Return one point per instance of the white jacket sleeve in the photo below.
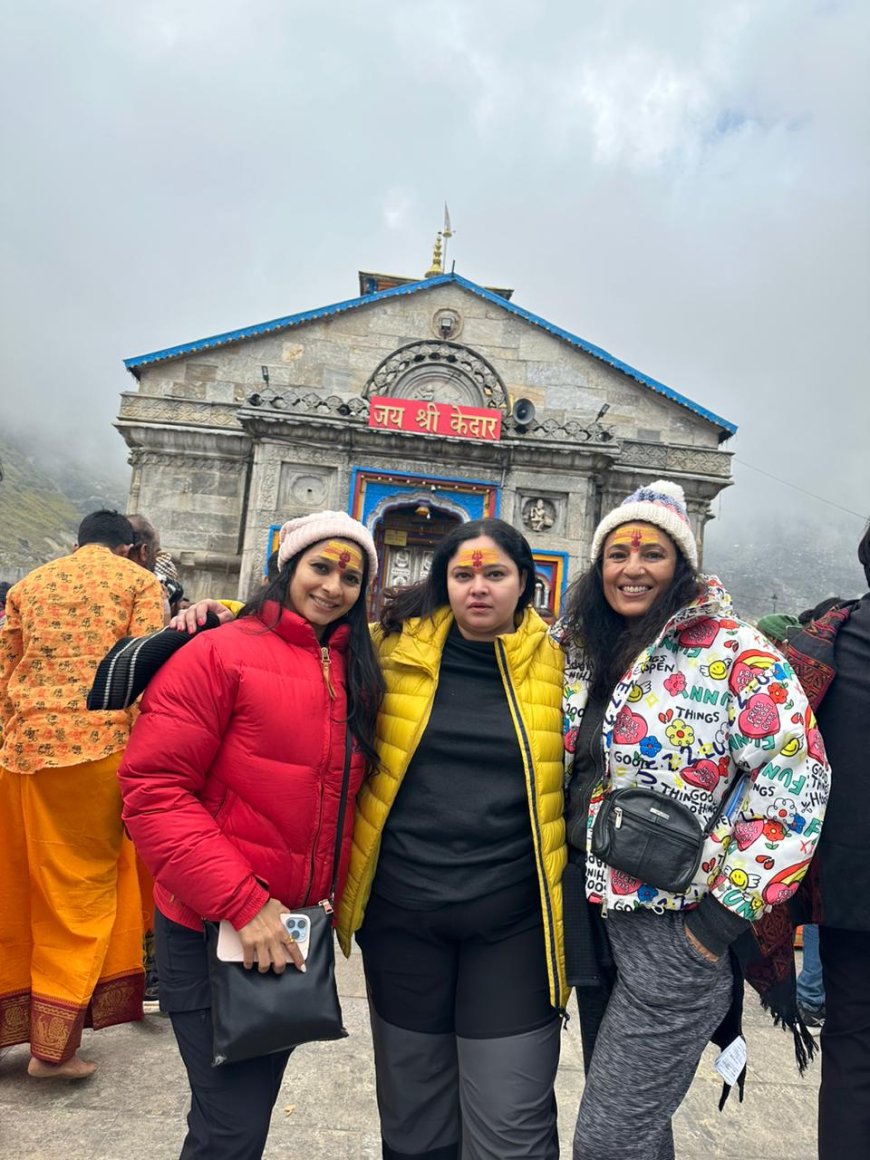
(774, 738)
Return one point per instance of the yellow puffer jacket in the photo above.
(531, 667)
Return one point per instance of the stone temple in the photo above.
(412, 406)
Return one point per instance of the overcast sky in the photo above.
(682, 183)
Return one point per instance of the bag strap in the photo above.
(342, 810)
(729, 800)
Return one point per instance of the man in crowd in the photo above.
(146, 542)
(831, 656)
(70, 921)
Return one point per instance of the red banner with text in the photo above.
(434, 418)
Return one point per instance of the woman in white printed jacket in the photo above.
(667, 690)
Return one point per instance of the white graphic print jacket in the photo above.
(708, 701)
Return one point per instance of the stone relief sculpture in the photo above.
(539, 514)
(441, 371)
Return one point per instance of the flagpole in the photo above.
(446, 233)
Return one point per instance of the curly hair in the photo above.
(611, 642)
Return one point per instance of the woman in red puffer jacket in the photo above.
(231, 784)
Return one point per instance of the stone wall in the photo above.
(213, 475)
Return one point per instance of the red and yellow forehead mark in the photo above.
(344, 552)
(477, 559)
(635, 536)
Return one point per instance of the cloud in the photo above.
(396, 206)
(683, 184)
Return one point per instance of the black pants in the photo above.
(231, 1105)
(466, 1041)
(844, 1097)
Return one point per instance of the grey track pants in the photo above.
(466, 1041)
(498, 1093)
(667, 1002)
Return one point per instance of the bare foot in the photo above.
(75, 1068)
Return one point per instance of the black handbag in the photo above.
(653, 838)
(256, 1014)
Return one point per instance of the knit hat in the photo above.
(299, 534)
(661, 503)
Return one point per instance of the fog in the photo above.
(683, 184)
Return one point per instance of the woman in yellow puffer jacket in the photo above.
(454, 888)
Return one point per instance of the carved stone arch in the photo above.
(401, 499)
(440, 372)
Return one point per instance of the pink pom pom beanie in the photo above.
(297, 535)
(661, 503)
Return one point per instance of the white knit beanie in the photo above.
(661, 503)
(297, 535)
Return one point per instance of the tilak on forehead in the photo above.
(477, 558)
(636, 535)
(345, 553)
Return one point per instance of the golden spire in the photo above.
(437, 266)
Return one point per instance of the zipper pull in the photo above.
(324, 664)
(617, 817)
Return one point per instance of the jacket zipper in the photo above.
(531, 788)
(644, 824)
(324, 668)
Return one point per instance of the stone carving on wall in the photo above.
(539, 514)
(160, 410)
(141, 458)
(306, 403)
(700, 460)
(440, 371)
(303, 487)
(567, 430)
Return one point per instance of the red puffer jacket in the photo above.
(232, 775)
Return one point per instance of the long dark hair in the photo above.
(609, 641)
(422, 599)
(364, 681)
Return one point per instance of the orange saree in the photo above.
(71, 918)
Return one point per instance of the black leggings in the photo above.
(231, 1105)
(466, 1040)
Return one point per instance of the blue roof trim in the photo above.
(134, 364)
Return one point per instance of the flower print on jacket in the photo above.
(726, 717)
(679, 733)
(650, 746)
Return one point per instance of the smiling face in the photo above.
(483, 586)
(637, 567)
(327, 582)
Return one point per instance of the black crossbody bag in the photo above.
(655, 838)
(256, 1014)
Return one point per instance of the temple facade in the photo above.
(412, 406)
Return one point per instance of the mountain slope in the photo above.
(43, 498)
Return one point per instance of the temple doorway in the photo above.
(406, 537)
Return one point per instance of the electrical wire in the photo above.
(795, 487)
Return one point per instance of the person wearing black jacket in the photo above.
(832, 658)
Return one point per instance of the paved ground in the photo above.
(134, 1106)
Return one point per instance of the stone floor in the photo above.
(134, 1106)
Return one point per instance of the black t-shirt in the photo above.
(587, 769)
(459, 827)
